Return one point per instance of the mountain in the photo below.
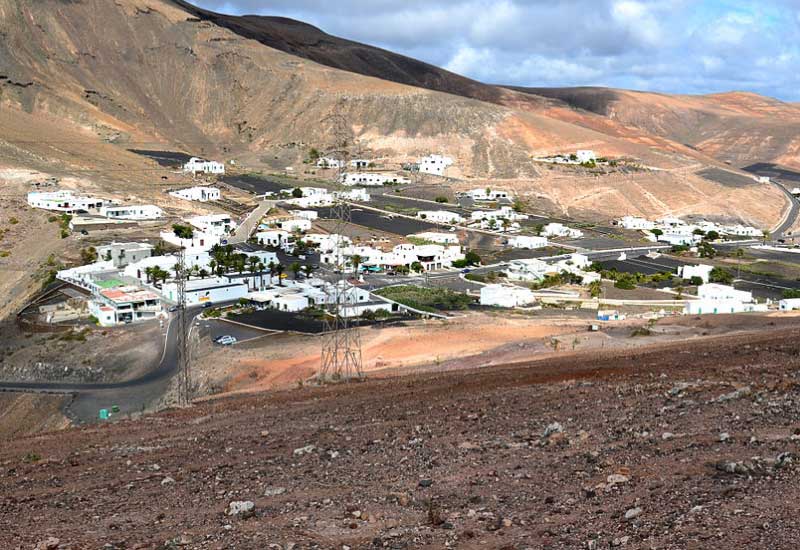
(84, 81)
(739, 128)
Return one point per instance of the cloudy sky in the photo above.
(679, 46)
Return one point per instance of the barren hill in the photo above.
(735, 127)
(81, 82)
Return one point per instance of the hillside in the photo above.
(83, 82)
(735, 127)
(626, 449)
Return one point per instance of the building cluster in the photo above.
(676, 231)
(435, 165)
(319, 197)
(535, 270)
(88, 209)
(372, 179)
(202, 166)
(582, 156)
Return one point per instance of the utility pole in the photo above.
(341, 342)
(182, 340)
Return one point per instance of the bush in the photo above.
(720, 275)
(472, 258)
(441, 199)
(297, 193)
(696, 281)
(790, 294)
(626, 281)
(182, 231)
(426, 299)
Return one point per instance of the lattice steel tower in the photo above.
(341, 342)
(182, 340)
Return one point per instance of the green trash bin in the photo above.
(115, 409)
(103, 414)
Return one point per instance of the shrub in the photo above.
(696, 281)
(441, 199)
(720, 275)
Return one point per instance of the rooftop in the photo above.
(128, 294)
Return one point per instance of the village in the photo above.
(284, 255)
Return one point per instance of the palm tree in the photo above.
(253, 265)
(356, 260)
(212, 264)
(260, 275)
(279, 270)
(296, 268)
(148, 272)
(308, 270)
(203, 273)
(271, 268)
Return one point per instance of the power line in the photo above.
(182, 341)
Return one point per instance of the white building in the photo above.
(505, 296)
(199, 194)
(201, 166)
(789, 304)
(360, 164)
(356, 195)
(636, 223)
(715, 291)
(132, 212)
(435, 164)
(487, 194)
(122, 254)
(528, 270)
(327, 242)
(123, 305)
(192, 258)
(65, 201)
(312, 201)
(440, 216)
(502, 213)
(438, 238)
(305, 214)
(527, 242)
(586, 155)
(687, 272)
(372, 179)
(218, 225)
(292, 225)
(679, 238)
(272, 237)
(329, 162)
(294, 301)
(555, 229)
(199, 240)
(202, 291)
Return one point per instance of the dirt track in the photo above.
(651, 419)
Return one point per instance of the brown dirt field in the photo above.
(26, 414)
(685, 445)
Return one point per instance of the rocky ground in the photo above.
(688, 445)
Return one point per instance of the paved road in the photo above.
(778, 176)
(130, 396)
(249, 225)
(791, 218)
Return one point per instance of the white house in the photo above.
(440, 216)
(132, 212)
(555, 229)
(305, 214)
(502, 213)
(203, 291)
(528, 242)
(312, 201)
(65, 201)
(360, 164)
(789, 304)
(327, 242)
(372, 179)
(329, 162)
(218, 225)
(438, 238)
(505, 296)
(356, 195)
(586, 155)
(292, 225)
(529, 270)
(199, 194)
(687, 272)
(435, 164)
(679, 238)
(199, 240)
(294, 301)
(272, 237)
(636, 223)
(122, 254)
(487, 194)
(198, 165)
(715, 291)
(123, 305)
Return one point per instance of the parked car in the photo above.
(226, 340)
(207, 305)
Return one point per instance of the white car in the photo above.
(226, 340)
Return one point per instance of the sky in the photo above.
(674, 46)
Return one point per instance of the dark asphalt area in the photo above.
(255, 184)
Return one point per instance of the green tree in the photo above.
(279, 269)
(356, 260)
(720, 275)
(309, 270)
(88, 255)
(296, 269)
(183, 231)
(712, 236)
(595, 289)
(657, 232)
(472, 258)
(417, 267)
(297, 193)
(696, 281)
